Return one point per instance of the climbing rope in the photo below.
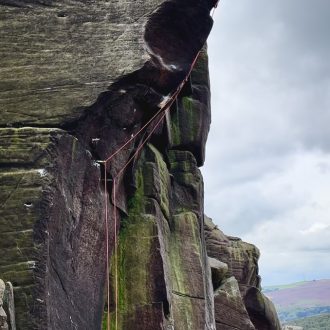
(114, 189)
(161, 113)
(107, 243)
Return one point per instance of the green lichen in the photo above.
(134, 251)
(164, 179)
(200, 74)
(175, 128)
(138, 238)
(136, 202)
(185, 122)
(136, 241)
(192, 118)
(24, 145)
(183, 166)
(129, 227)
(105, 320)
(185, 233)
(184, 226)
(184, 313)
(23, 299)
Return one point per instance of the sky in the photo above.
(267, 170)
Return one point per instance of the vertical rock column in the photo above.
(163, 274)
(51, 222)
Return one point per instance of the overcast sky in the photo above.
(267, 171)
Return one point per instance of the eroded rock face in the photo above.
(162, 253)
(261, 310)
(79, 79)
(57, 57)
(230, 311)
(239, 302)
(51, 227)
(241, 257)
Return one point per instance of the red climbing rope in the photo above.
(106, 199)
(162, 112)
(116, 251)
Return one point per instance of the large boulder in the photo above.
(241, 257)
(230, 311)
(261, 310)
(239, 302)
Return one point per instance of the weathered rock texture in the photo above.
(239, 302)
(7, 306)
(78, 79)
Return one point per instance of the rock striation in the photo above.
(239, 302)
(78, 79)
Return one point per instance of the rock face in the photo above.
(239, 302)
(79, 79)
(163, 273)
(7, 306)
(3, 316)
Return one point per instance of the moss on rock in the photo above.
(159, 179)
(139, 259)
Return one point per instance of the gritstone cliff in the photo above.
(79, 78)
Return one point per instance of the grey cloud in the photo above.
(264, 47)
(308, 24)
(266, 173)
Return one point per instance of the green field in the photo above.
(319, 322)
(302, 313)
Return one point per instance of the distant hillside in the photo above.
(300, 300)
(319, 322)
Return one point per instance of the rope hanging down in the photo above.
(161, 113)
